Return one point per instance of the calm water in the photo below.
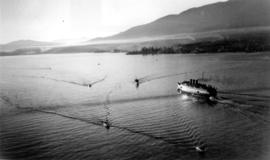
(48, 112)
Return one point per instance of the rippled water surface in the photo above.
(49, 112)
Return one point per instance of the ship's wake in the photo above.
(157, 77)
(149, 78)
(27, 68)
(250, 111)
(87, 84)
(189, 134)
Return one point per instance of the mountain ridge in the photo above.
(25, 44)
(221, 15)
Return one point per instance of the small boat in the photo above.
(106, 125)
(200, 149)
(137, 81)
(196, 89)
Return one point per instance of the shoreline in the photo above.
(126, 53)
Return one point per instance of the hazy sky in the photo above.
(48, 20)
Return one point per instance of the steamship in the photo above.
(196, 89)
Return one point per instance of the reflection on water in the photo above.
(45, 114)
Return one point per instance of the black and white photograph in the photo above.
(134, 79)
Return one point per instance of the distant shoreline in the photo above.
(126, 53)
(232, 45)
(229, 43)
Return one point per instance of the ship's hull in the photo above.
(196, 89)
(193, 91)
